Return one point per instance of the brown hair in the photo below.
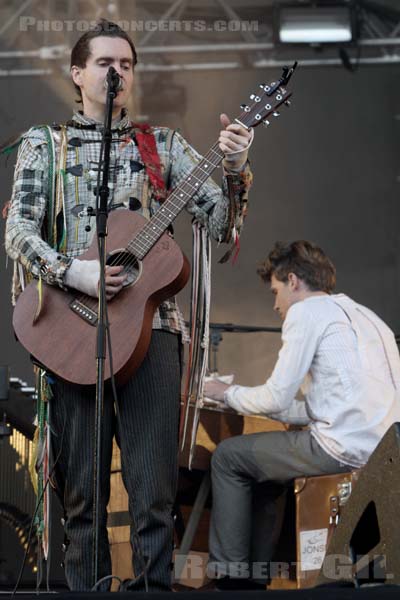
(81, 51)
(305, 259)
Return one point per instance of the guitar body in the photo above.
(61, 339)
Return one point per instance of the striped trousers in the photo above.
(147, 434)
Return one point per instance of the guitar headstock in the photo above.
(267, 101)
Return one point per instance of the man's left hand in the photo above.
(234, 141)
(215, 389)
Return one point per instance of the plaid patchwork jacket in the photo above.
(77, 147)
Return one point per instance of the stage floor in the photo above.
(325, 592)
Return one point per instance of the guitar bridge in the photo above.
(84, 312)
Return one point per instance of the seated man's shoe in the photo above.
(236, 583)
(208, 586)
(225, 584)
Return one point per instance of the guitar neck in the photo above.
(176, 202)
(264, 103)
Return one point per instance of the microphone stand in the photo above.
(101, 227)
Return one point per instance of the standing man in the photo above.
(47, 231)
(345, 361)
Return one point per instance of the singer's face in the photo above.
(105, 52)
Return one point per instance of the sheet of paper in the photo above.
(312, 549)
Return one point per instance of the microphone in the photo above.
(113, 80)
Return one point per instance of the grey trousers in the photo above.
(245, 526)
(147, 435)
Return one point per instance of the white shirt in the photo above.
(345, 360)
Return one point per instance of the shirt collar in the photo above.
(119, 124)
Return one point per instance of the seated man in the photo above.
(345, 361)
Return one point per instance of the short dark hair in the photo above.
(81, 51)
(305, 259)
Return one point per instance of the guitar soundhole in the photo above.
(132, 266)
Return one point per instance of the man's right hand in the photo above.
(215, 389)
(114, 281)
(84, 275)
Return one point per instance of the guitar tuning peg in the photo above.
(262, 85)
(243, 106)
(276, 114)
(288, 103)
(266, 123)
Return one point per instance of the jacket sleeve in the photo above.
(221, 210)
(296, 414)
(300, 337)
(24, 241)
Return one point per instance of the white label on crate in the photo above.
(312, 549)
